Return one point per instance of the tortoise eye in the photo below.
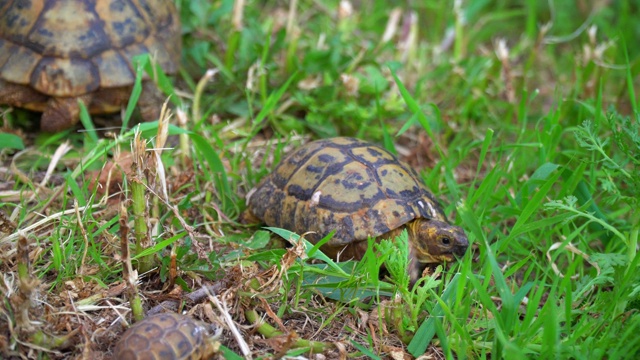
(445, 241)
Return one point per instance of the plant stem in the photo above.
(269, 331)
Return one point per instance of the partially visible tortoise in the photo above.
(360, 190)
(56, 52)
(166, 336)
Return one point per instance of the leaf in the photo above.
(414, 107)
(159, 246)
(365, 351)
(397, 260)
(85, 119)
(259, 240)
(293, 237)
(139, 62)
(426, 331)
(217, 170)
(10, 141)
(229, 354)
(530, 208)
(271, 102)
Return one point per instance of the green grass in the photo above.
(534, 147)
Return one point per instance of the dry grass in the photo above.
(96, 231)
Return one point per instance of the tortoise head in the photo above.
(433, 242)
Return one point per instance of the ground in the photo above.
(521, 117)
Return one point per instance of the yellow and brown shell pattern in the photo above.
(344, 184)
(166, 336)
(65, 49)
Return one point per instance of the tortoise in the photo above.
(358, 190)
(168, 336)
(56, 52)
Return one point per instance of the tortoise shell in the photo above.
(356, 188)
(69, 48)
(167, 336)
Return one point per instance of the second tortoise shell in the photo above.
(68, 48)
(166, 336)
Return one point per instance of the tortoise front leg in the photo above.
(150, 101)
(62, 113)
(21, 96)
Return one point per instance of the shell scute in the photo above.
(181, 345)
(65, 76)
(19, 65)
(19, 20)
(161, 53)
(113, 69)
(123, 23)
(139, 342)
(69, 29)
(288, 213)
(302, 183)
(292, 163)
(373, 157)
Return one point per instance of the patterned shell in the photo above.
(68, 48)
(167, 336)
(343, 184)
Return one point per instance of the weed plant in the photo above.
(521, 116)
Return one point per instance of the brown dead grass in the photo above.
(83, 320)
(86, 318)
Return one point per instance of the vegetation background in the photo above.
(521, 115)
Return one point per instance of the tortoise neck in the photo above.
(410, 227)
